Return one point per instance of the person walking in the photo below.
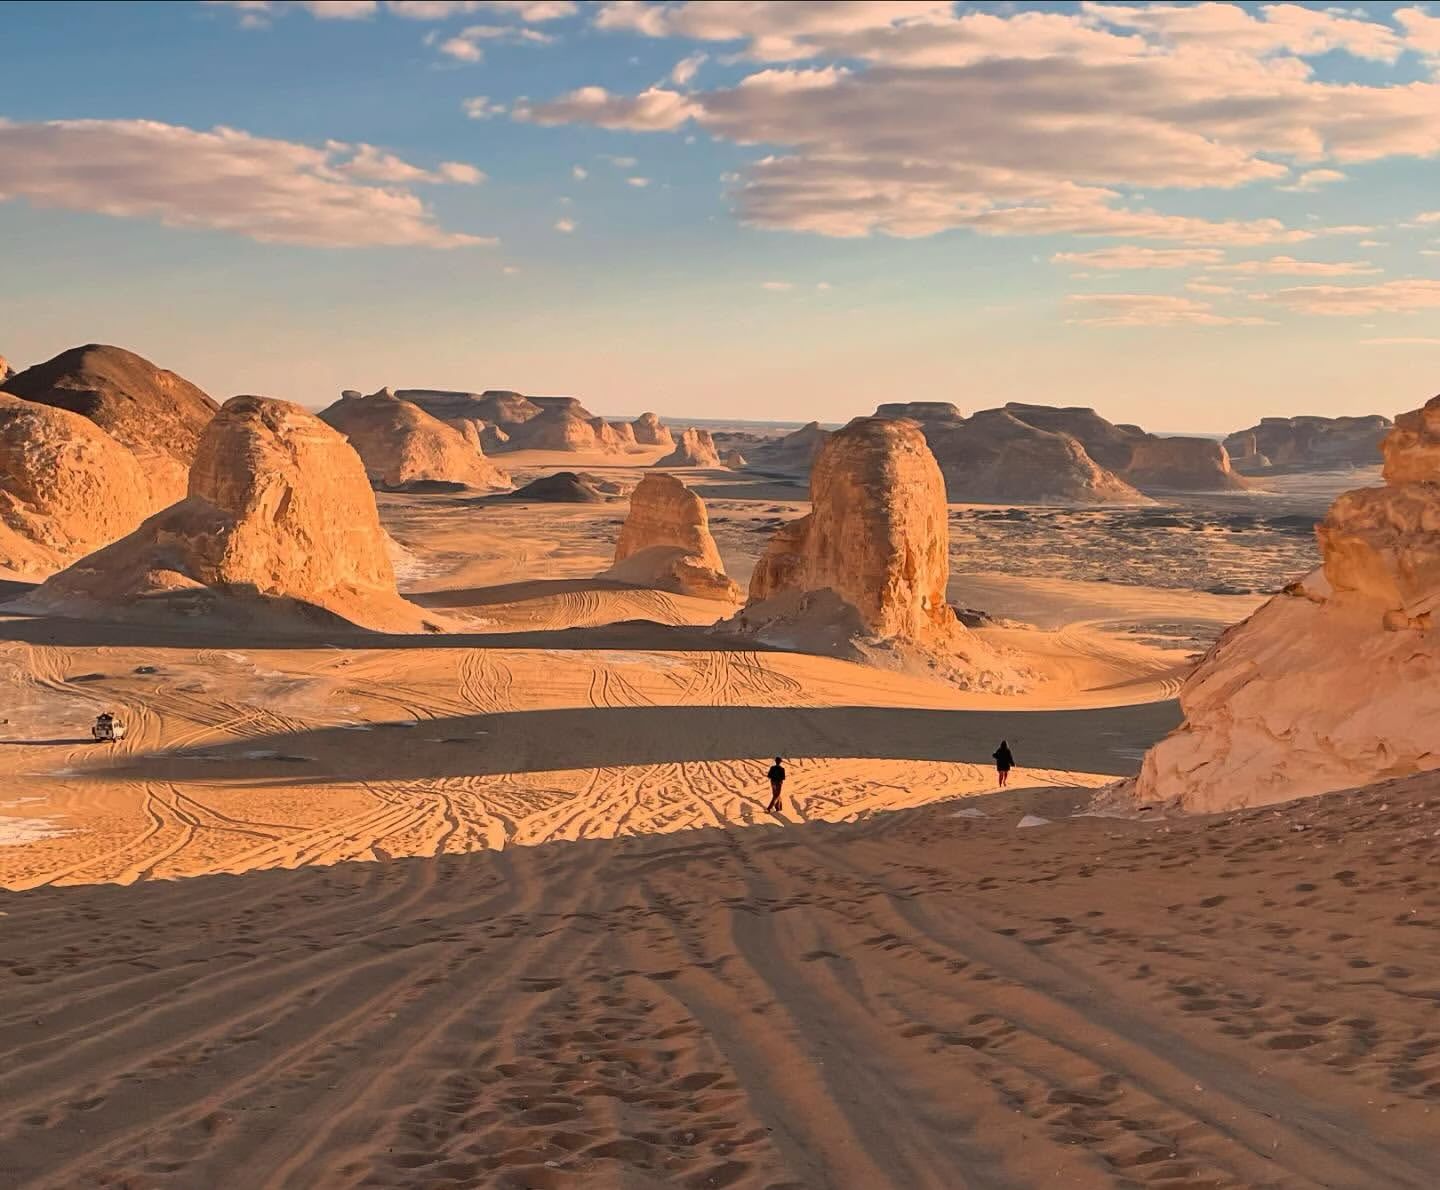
(777, 782)
(1004, 762)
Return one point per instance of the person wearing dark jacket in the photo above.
(777, 781)
(1004, 762)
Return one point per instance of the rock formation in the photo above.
(1182, 465)
(665, 543)
(794, 451)
(402, 446)
(157, 414)
(649, 430)
(6, 371)
(556, 428)
(563, 487)
(279, 532)
(734, 460)
(1334, 683)
(1108, 444)
(66, 488)
(695, 449)
(624, 434)
(1308, 443)
(495, 407)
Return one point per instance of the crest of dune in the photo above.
(279, 531)
(1334, 683)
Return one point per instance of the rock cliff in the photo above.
(665, 543)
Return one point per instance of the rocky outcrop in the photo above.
(157, 414)
(1108, 444)
(496, 407)
(795, 451)
(624, 434)
(1334, 683)
(877, 534)
(649, 430)
(563, 487)
(403, 447)
(66, 488)
(556, 428)
(6, 371)
(925, 412)
(1308, 443)
(279, 532)
(733, 459)
(1182, 465)
(694, 449)
(665, 543)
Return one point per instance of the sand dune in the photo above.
(914, 1000)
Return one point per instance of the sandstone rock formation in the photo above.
(6, 371)
(1334, 683)
(624, 434)
(556, 428)
(279, 531)
(157, 414)
(1108, 444)
(495, 407)
(734, 460)
(66, 488)
(402, 446)
(1182, 465)
(649, 430)
(1308, 443)
(665, 543)
(563, 487)
(694, 449)
(794, 451)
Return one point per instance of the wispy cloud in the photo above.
(565, 225)
(1149, 309)
(1418, 341)
(1386, 297)
(1288, 266)
(1131, 256)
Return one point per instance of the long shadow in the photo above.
(514, 592)
(1106, 740)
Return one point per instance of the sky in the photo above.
(1186, 216)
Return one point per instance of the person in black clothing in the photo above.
(1004, 762)
(777, 779)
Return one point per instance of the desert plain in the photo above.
(499, 904)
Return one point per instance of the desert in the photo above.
(672, 595)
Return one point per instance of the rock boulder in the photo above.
(665, 543)
(696, 448)
(649, 430)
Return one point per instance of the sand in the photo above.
(501, 907)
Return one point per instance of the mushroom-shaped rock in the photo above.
(696, 448)
(651, 431)
(1182, 465)
(402, 446)
(279, 531)
(66, 488)
(665, 543)
(157, 414)
(1336, 682)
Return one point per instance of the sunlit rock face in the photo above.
(1308, 443)
(402, 446)
(279, 530)
(1336, 682)
(694, 448)
(665, 543)
(156, 413)
(1181, 465)
(649, 430)
(66, 488)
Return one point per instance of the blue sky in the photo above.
(1186, 216)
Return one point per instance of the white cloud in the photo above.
(579, 172)
(684, 70)
(1402, 296)
(274, 191)
(1149, 309)
(340, 10)
(619, 162)
(638, 183)
(511, 270)
(1427, 217)
(1313, 179)
(479, 107)
(1080, 107)
(1130, 256)
(460, 173)
(823, 286)
(1288, 266)
(777, 286)
(565, 225)
(1208, 287)
(1422, 31)
(465, 46)
(1419, 341)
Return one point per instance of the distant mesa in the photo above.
(157, 414)
(795, 451)
(649, 430)
(279, 532)
(563, 487)
(863, 575)
(665, 543)
(695, 448)
(403, 447)
(1308, 443)
(1182, 465)
(1334, 683)
(66, 488)
(506, 421)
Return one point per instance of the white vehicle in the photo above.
(107, 728)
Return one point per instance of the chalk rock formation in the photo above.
(157, 414)
(1181, 465)
(6, 371)
(556, 428)
(734, 460)
(1308, 443)
(665, 543)
(564, 487)
(402, 446)
(279, 531)
(795, 451)
(1336, 682)
(695, 449)
(66, 488)
(624, 434)
(1108, 444)
(651, 431)
(497, 407)
(925, 412)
